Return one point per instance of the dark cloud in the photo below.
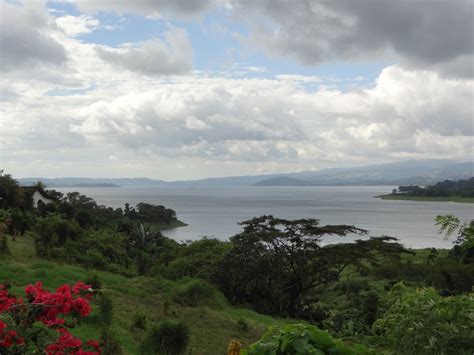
(25, 38)
(421, 33)
(147, 7)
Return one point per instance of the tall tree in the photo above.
(275, 263)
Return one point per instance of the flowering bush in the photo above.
(40, 321)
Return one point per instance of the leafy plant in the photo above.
(423, 322)
(302, 339)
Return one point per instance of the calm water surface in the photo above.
(216, 211)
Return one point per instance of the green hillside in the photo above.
(212, 326)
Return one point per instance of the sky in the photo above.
(189, 89)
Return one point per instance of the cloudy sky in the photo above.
(195, 88)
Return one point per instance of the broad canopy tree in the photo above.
(274, 263)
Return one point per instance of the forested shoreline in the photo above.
(370, 296)
(447, 190)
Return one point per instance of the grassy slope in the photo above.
(427, 198)
(211, 329)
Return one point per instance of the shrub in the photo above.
(50, 312)
(242, 325)
(94, 258)
(422, 322)
(4, 250)
(196, 293)
(94, 281)
(301, 339)
(139, 321)
(167, 337)
(110, 344)
(106, 309)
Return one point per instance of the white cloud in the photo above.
(77, 25)
(172, 55)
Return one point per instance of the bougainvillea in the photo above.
(40, 321)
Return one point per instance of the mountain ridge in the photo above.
(417, 172)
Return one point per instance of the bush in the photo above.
(42, 323)
(94, 281)
(106, 309)
(4, 250)
(196, 293)
(110, 344)
(423, 322)
(167, 337)
(139, 321)
(301, 339)
(242, 325)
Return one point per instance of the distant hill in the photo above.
(411, 172)
(283, 181)
(416, 172)
(92, 182)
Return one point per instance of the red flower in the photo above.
(50, 309)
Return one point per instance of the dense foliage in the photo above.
(462, 188)
(423, 322)
(279, 267)
(78, 230)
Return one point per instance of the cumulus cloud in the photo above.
(271, 124)
(436, 34)
(25, 37)
(77, 25)
(242, 119)
(171, 55)
(205, 111)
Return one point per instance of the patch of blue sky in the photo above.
(61, 8)
(218, 48)
(116, 30)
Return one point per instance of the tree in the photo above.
(276, 265)
(146, 245)
(278, 261)
(11, 194)
(464, 249)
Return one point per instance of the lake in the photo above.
(216, 211)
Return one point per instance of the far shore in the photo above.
(402, 197)
(174, 224)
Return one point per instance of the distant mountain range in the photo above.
(416, 172)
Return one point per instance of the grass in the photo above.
(459, 199)
(212, 327)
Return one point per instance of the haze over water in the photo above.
(216, 211)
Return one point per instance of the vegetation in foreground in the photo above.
(158, 296)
